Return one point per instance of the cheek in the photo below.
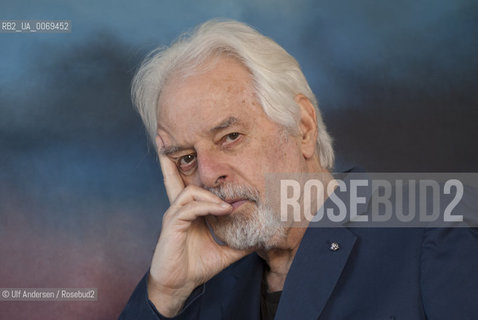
(192, 180)
(289, 156)
(280, 154)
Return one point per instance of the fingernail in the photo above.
(225, 205)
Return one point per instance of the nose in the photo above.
(213, 169)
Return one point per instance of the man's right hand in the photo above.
(186, 254)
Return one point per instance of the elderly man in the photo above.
(224, 106)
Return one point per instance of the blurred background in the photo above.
(81, 194)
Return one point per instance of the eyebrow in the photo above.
(171, 150)
(225, 124)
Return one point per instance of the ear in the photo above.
(307, 126)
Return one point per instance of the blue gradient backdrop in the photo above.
(81, 196)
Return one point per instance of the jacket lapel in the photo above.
(240, 290)
(318, 263)
(315, 272)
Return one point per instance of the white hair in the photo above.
(277, 77)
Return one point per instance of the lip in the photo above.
(237, 203)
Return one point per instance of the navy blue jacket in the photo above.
(373, 274)
(381, 273)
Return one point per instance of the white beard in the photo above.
(247, 228)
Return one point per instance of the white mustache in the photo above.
(230, 192)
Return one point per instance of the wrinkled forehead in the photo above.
(222, 87)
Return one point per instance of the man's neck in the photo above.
(279, 259)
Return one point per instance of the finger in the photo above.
(172, 180)
(194, 193)
(195, 209)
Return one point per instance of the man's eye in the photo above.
(187, 162)
(231, 137)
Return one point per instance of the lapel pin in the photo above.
(334, 246)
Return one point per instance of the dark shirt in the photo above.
(269, 301)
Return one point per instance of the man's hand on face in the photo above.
(186, 254)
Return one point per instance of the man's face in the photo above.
(215, 130)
